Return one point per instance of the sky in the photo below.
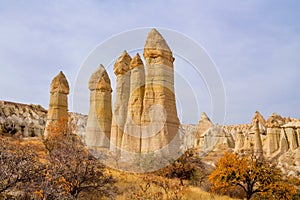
(254, 46)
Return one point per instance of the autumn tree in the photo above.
(255, 177)
(188, 166)
(73, 170)
(19, 166)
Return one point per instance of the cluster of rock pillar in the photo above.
(144, 116)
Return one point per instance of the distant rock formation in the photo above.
(274, 123)
(121, 70)
(159, 117)
(28, 120)
(21, 119)
(203, 125)
(239, 141)
(292, 136)
(258, 149)
(100, 114)
(216, 137)
(257, 116)
(187, 135)
(58, 106)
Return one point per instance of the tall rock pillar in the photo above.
(258, 149)
(121, 70)
(58, 106)
(131, 140)
(159, 117)
(100, 114)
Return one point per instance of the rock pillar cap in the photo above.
(60, 84)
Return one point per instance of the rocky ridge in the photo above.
(23, 120)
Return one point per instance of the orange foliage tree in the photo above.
(253, 176)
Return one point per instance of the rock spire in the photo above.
(121, 70)
(258, 149)
(100, 114)
(58, 106)
(159, 116)
(203, 125)
(131, 140)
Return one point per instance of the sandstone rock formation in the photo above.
(28, 120)
(257, 149)
(273, 124)
(261, 123)
(216, 137)
(203, 125)
(100, 114)
(58, 106)
(21, 119)
(259, 117)
(291, 133)
(239, 141)
(275, 121)
(78, 122)
(131, 140)
(121, 70)
(159, 115)
(187, 135)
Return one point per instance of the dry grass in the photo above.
(127, 182)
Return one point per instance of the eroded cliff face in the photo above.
(23, 120)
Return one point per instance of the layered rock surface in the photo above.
(203, 125)
(24, 120)
(58, 106)
(100, 114)
(131, 140)
(159, 115)
(121, 70)
(216, 137)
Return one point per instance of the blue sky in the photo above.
(254, 44)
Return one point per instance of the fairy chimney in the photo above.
(131, 140)
(58, 106)
(100, 114)
(258, 150)
(159, 118)
(122, 72)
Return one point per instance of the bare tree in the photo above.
(73, 170)
(19, 165)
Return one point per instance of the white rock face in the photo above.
(214, 137)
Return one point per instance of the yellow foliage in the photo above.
(253, 176)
